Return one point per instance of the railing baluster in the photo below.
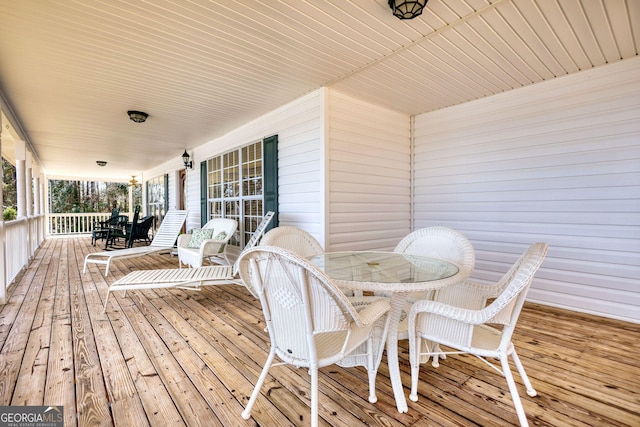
(74, 223)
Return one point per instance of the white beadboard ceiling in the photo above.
(70, 69)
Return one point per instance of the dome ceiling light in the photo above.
(137, 116)
(407, 9)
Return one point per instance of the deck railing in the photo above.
(74, 223)
(22, 237)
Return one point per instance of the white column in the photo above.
(3, 272)
(44, 194)
(37, 207)
(28, 183)
(131, 207)
(44, 204)
(21, 157)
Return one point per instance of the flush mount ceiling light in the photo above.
(407, 9)
(101, 163)
(137, 116)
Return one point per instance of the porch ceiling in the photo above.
(70, 70)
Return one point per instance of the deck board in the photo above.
(190, 358)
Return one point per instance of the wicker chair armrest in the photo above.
(473, 317)
(376, 308)
(183, 240)
(212, 247)
(491, 290)
(468, 294)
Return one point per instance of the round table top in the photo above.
(385, 271)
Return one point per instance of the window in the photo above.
(235, 188)
(157, 203)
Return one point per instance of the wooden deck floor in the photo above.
(172, 357)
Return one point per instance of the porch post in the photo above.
(37, 221)
(37, 208)
(21, 187)
(42, 205)
(3, 242)
(131, 202)
(28, 183)
(21, 156)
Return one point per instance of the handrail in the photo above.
(23, 235)
(74, 223)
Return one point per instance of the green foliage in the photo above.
(72, 196)
(87, 196)
(9, 214)
(9, 192)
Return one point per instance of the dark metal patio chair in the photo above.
(101, 228)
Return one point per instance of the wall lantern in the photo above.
(407, 9)
(137, 116)
(188, 164)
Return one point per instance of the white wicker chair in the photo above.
(310, 322)
(442, 243)
(462, 323)
(292, 239)
(209, 248)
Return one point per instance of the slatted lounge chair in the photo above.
(186, 278)
(163, 241)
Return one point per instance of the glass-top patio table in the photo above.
(389, 272)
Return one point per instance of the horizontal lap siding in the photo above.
(557, 162)
(299, 129)
(368, 174)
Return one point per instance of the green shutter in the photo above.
(166, 192)
(203, 193)
(270, 177)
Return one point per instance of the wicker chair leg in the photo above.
(414, 359)
(314, 396)
(371, 371)
(513, 389)
(246, 414)
(525, 379)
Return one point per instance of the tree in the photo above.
(9, 191)
(87, 196)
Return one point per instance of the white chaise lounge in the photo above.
(187, 278)
(163, 241)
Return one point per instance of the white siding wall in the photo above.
(557, 162)
(369, 175)
(299, 129)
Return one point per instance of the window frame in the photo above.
(236, 181)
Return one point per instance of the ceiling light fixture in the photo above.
(188, 164)
(133, 182)
(101, 163)
(407, 9)
(137, 116)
